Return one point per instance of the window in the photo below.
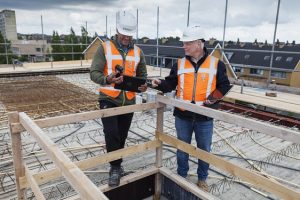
(267, 57)
(256, 71)
(278, 58)
(277, 74)
(289, 59)
(238, 69)
(229, 55)
(38, 49)
(247, 56)
(153, 61)
(15, 49)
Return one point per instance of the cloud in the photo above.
(247, 19)
(50, 4)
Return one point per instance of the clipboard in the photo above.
(130, 83)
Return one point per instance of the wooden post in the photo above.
(16, 145)
(159, 127)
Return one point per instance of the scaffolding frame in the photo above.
(72, 171)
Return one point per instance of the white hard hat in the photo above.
(192, 33)
(126, 23)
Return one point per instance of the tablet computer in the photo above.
(130, 83)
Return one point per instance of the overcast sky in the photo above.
(246, 19)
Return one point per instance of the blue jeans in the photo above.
(203, 134)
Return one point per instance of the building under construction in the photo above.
(53, 147)
(52, 139)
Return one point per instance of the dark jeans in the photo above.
(115, 129)
(203, 135)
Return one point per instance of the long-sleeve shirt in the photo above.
(171, 81)
(97, 72)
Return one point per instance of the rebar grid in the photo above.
(44, 96)
(80, 140)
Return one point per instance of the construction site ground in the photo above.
(46, 96)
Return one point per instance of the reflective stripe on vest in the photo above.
(205, 80)
(113, 58)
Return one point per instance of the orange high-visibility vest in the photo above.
(113, 58)
(196, 87)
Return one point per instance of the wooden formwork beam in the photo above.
(247, 175)
(16, 145)
(33, 184)
(182, 182)
(78, 117)
(277, 131)
(126, 180)
(158, 160)
(80, 182)
(44, 177)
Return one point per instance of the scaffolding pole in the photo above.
(273, 47)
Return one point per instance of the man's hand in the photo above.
(209, 102)
(113, 79)
(143, 88)
(155, 82)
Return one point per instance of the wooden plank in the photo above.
(44, 177)
(182, 182)
(277, 131)
(125, 180)
(270, 103)
(159, 128)
(78, 117)
(131, 178)
(75, 197)
(16, 146)
(284, 101)
(81, 183)
(158, 159)
(33, 185)
(247, 175)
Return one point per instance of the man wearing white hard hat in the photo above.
(195, 77)
(113, 59)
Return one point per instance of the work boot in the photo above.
(203, 186)
(115, 174)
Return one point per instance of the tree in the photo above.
(84, 38)
(56, 47)
(95, 35)
(84, 35)
(5, 48)
(2, 50)
(72, 48)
